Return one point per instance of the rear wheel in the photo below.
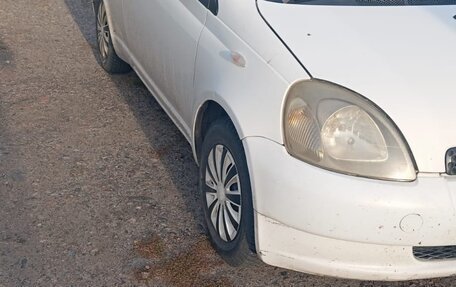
(108, 57)
(226, 194)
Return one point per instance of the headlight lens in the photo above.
(335, 128)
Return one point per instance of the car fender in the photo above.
(231, 73)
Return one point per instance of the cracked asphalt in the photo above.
(97, 186)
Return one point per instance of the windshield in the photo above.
(368, 2)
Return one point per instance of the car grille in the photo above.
(435, 252)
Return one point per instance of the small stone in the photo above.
(21, 240)
(23, 263)
(145, 275)
(94, 252)
(139, 263)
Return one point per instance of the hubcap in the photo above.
(103, 31)
(223, 195)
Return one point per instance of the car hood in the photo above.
(403, 58)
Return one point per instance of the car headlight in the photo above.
(334, 128)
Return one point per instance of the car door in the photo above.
(162, 37)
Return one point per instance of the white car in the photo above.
(323, 129)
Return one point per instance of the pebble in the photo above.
(139, 263)
(94, 252)
(23, 263)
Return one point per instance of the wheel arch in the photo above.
(208, 112)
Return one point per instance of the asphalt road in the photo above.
(97, 186)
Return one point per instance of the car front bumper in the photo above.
(316, 221)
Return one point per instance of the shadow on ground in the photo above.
(174, 152)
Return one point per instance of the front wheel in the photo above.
(226, 193)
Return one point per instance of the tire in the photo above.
(228, 209)
(108, 57)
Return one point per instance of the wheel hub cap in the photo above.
(103, 34)
(223, 193)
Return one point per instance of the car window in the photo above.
(205, 2)
(212, 5)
